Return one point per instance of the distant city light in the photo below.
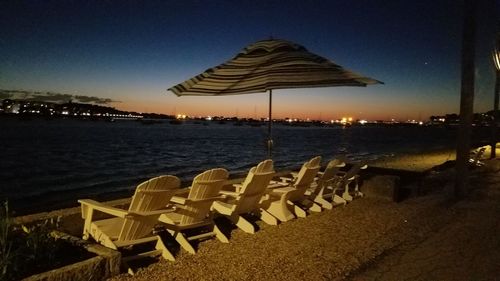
(346, 120)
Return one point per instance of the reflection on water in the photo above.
(58, 160)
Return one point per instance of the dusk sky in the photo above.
(132, 51)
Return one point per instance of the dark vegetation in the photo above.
(28, 250)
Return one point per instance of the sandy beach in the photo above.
(420, 238)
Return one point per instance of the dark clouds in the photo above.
(86, 99)
(51, 97)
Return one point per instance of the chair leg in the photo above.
(87, 213)
(337, 200)
(243, 224)
(346, 194)
(221, 236)
(179, 237)
(165, 253)
(310, 205)
(357, 193)
(266, 217)
(129, 269)
(299, 212)
(315, 208)
(279, 209)
(86, 234)
(324, 203)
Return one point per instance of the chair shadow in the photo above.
(227, 227)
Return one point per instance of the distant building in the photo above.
(10, 106)
(480, 119)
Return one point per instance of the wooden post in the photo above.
(466, 99)
(494, 129)
(495, 117)
(269, 126)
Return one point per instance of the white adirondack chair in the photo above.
(133, 226)
(291, 193)
(324, 189)
(248, 198)
(349, 178)
(193, 211)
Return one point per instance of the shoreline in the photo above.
(414, 162)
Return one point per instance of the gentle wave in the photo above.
(50, 161)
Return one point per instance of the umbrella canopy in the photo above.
(267, 65)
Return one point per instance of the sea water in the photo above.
(51, 163)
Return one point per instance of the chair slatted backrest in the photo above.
(306, 177)
(205, 185)
(329, 174)
(150, 195)
(255, 186)
(353, 171)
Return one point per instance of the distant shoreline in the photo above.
(228, 121)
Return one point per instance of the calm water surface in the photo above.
(52, 163)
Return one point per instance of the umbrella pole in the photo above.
(269, 128)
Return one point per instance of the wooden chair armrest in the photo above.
(237, 186)
(184, 201)
(152, 213)
(229, 193)
(178, 200)
(278, 192)
(286, 179)
(276, 184)
(89, 203)
(221, 197)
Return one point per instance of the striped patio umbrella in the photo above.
(268, 65)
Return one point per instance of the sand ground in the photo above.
(422, 238)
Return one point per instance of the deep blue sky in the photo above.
(132, 51)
